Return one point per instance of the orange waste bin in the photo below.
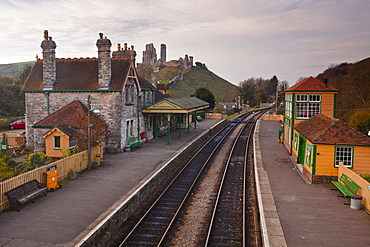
(52, 178)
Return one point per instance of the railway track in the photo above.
(212, 184)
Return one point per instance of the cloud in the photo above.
(237, 39)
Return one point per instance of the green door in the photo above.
(301, 149)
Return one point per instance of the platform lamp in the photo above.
(89, 125)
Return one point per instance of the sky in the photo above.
(236, 39)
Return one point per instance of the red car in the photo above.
(19, 124)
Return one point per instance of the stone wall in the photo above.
(111, 105)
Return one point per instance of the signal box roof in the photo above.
(311, 84)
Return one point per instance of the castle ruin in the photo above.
(150, 60)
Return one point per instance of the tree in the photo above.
(361, 121)
(99, 131)
(11, 98)
(206, 95)
(283, 85)
(23, 74)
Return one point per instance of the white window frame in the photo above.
(307, 105)
(347, 159)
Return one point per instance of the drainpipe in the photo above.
(138, 117)
(47, 103)
(179, 123)
(168, 128)
(188, 119)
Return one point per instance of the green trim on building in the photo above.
(314, 160)
(57, 91)
(317, 91)
(335, 105)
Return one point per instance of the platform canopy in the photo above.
(176, 105)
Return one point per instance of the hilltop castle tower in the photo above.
(163, 53)
(149, 56)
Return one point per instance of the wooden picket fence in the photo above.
(77, 163)
(215, 116)
(364, 189)
(13, 140)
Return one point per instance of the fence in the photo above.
(12, 140)
(77, 162)
(364, 191)
(273, 117)
(215, 116)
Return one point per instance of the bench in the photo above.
(199, 118)
(162, 131)
(134, 141)
(24, 193)
(346, 186)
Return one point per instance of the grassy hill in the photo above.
(198, 77)
(13, 69)
(191, 79)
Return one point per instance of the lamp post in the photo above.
(89, 164)
(277, 96)
(89, 125)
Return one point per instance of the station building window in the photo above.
(345, 155)
(56, 142)
(307, 105)
(288, 105)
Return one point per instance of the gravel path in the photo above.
(197, 214)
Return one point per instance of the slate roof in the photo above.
(145, 84)
(188, 102)
(328, 130)
(80, 74)
(64, 128)
(161, 86)
(74, 115)
(311, 84)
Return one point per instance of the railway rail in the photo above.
(170, 219)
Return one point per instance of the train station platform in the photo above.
(297, 213)
(305, 215)
(65, 216)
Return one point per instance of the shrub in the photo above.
(34, 160)
(366, 177)
(66, 152)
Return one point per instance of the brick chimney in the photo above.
(104, 62)
(48, 64)
(125, 52)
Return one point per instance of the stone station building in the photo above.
(112, 83)
(109, 84)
